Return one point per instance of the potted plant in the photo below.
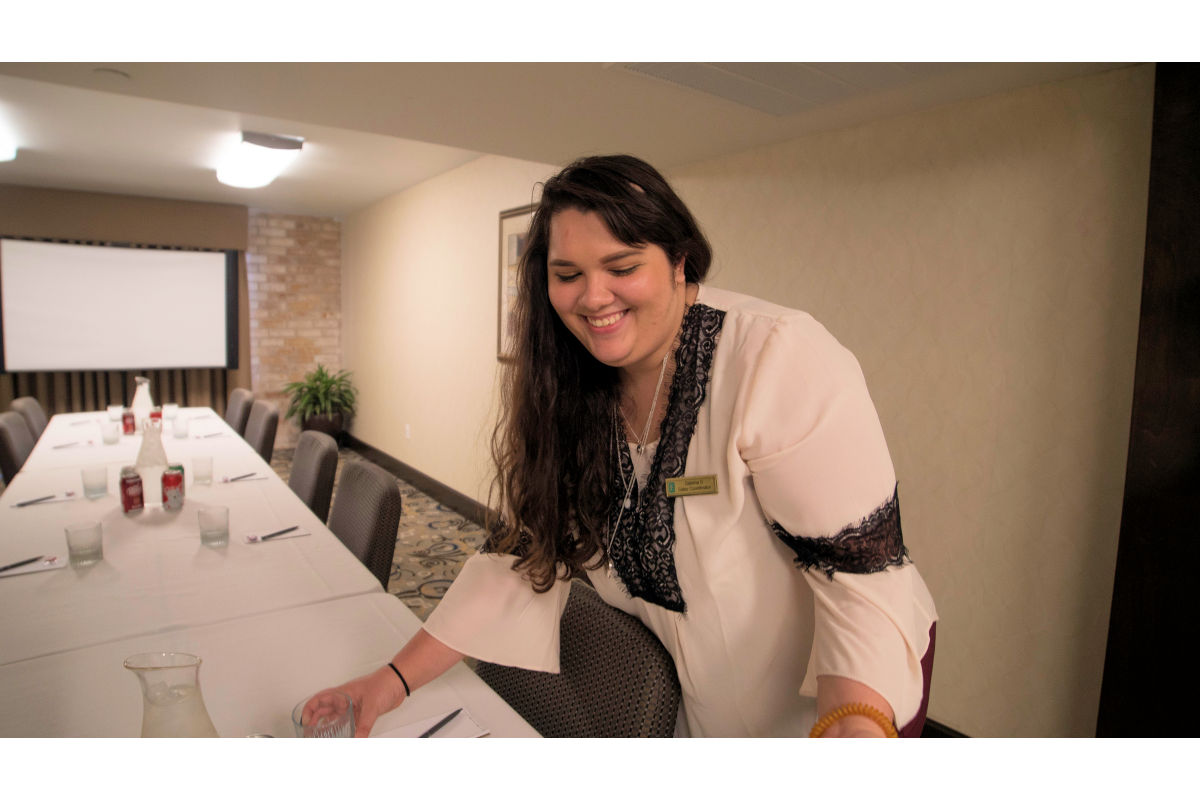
(322, 401)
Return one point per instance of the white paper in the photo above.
(53, 562)
(463, 726)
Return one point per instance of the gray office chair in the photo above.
(16, 443)
(313, 468)
(35, 416)
(237, 411)
(366, 516)
(261, 427)
(616, 678)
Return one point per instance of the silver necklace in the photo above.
(641, 446)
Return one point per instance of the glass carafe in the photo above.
(171, 701)
(142, 401)
(151, 461)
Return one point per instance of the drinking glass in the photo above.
(332, 719)
(115, 412)
(180, 426)
(202, 470)
(95, 481)
(85, 544)
(111, 431)
(214, 526)
(170, 410)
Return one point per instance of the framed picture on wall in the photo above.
(514, 230)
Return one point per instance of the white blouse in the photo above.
(803, 476)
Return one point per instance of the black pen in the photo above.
(239, 477)
(440, 724)
(277, 533)
(210, 435)
(24, 503)
(21, 563)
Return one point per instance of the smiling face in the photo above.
(623, 303)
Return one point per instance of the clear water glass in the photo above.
(333, 718)
(85, 543)
(202, 470)
(110, 432)
(214, 526)
(95, 481)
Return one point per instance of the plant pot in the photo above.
(325, 423)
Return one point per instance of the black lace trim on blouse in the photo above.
(872, 545)
(642, 550)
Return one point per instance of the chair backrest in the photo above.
(366, 515)
(16, 443)
(615, 679)
(237, 412)
(261, 427)
(313, 468)
(35, 416)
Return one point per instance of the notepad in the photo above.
(463, 726)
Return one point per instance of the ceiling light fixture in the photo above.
(258, 159)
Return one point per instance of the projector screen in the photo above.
(70, 307)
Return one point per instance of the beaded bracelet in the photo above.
(407, 693)
(854, 709)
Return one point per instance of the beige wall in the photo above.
(419, 282)
(983, 260)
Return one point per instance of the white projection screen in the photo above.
(66, 307)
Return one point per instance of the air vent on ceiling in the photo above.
(786, 88)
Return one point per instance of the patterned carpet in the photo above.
(431, 546)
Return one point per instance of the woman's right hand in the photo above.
(373, 695)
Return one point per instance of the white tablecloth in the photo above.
(254, 672)
(156, 576)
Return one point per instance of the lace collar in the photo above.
(643, 547)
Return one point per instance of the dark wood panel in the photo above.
(1156, 609)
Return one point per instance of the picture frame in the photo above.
(514, 233)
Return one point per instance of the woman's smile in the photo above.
(622, 302)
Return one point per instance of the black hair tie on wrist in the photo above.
(407, 692)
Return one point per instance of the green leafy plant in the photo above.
(321, 393)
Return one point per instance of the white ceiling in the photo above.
(372, 129)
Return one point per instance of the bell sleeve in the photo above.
(493, 614)
(824, 479)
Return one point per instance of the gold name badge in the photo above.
(685, 487)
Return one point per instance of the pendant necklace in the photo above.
(641, 446)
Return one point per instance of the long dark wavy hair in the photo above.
(553, 443)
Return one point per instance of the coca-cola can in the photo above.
(156, 413)
(128, 424)
(132, 500)
(172, 487)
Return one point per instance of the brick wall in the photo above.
(293, 269)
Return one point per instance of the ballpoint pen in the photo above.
(24, 503)
(278, 533)
(440, 724)
(16, 564)
(239, 477)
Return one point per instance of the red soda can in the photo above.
(131, 490)
(172, 487)
(128, 425)
(156, 413)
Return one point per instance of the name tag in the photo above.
(685, 487)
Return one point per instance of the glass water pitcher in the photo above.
(171, 701)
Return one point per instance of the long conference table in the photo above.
(273, 621)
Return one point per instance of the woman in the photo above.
(772, 567)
